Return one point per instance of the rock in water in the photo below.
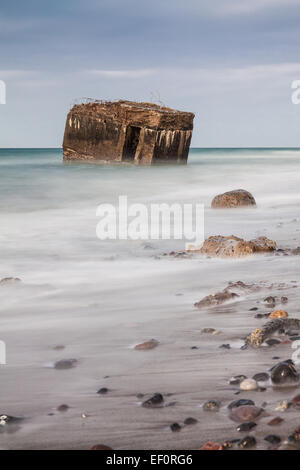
(211, 405)
(248, 384)
(101, 447)
(284, 373)
(232, 199)
(216, 299)
(175, 427)
(247, 442)
(275, 421)
(245, 413)
(65, 364)
(189, 421)
(234, 247)
(245, 427)
(278, 314)
(156, 400)
(10, 280)
(212, 446)
(147, 345)
(237, 403)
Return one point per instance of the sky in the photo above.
(231, 62)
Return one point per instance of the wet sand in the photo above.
(183, 375)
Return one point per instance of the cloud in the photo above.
(139, 73)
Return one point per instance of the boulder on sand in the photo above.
(232, 199)
(234, 247)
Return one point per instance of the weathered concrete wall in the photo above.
(140, 133)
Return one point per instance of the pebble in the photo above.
(102, 391)
(153, 343)
(6, 419)
(296, 402)
(272, 342)
(275, 421)
(261, 377)
(63, 408)
(245, 427)
(278, 314)
(10, 280)
(282, 406)
(253, 309)
(273, 439)
(156, 400)
(175, 427)
(247, 442)
(284, 373)
(270, 300)
(189, 421)
(65, 364)
(242, 402)
(248, 384)
(245, 413)
(237, 379)
(284, 300)
(212, 446)
(211, 405)
(225, 346)
(208, 330)
(59, 347)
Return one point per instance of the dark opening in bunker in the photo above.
(131, 143)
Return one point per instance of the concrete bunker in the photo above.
(127, 132)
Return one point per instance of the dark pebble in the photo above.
(102, 391)
(273, 439)
(284, 373)
(175, 427)
(244, 427)
(194, 347)
(253, 309)
(247, 442)
(284, 300)
(261, 315)
(156, 400)
(140, 395)
(63, 408)
(189, 421)
(272, 342)
(65, 364)
(261, 377)
(242, 402)
(225, 346)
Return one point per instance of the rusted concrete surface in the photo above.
(128, 132)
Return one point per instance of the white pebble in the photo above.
(248, 384)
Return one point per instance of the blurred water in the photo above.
(100, 297)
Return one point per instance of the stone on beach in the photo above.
(278, 314)
(151, 344)
(212, 446)
(245, 413)
(211, 405)
(284, 373)
(101, 447)
(65, 364)
(156, 400)
(216, 299)
(10, 280)
(275, 421)
(232, 199)
(248, 384)
(235, 247)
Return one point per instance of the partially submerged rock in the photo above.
(65, 364)
(243, 414)
(278, 314)
(232, 199)
(10, 280)
(259, 335)
(216, 299)
(235, 247)
(156, 400)
(151, 344)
